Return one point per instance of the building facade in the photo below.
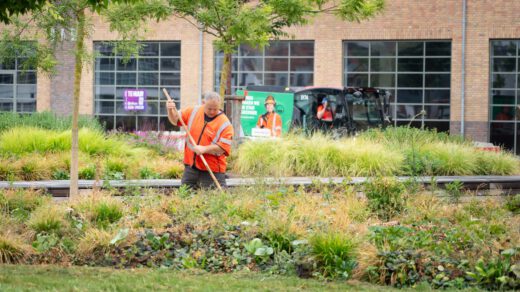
(415, 49)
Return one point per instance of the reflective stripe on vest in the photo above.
(190, 122)
(224, 126)
(225, 141)
(192, 116)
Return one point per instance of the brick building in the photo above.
(414, 48)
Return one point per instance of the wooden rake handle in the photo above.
(193, 142)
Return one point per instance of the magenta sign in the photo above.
(135, 99)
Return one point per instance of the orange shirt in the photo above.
(273, 123)
(327, 115)
(218, 131)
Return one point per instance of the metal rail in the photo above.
(60, 188)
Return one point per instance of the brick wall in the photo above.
(401, 20)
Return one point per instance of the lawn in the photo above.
(45, 278)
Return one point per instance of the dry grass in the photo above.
(13, 250)
(48, 218)
(96, 206)
(94, 239)
(152, 218)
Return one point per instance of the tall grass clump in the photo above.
(12, 249)
(45, 120)
(501, 163)
(22, 201)
(400, 136)
(318, 155)
(452, 159)
(23, 140)
(48, 219)
(94, 239)
(101, 210)
(335, 254)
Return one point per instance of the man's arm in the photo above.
(173, 115)
(212, 149)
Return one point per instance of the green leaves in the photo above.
(259, 250)
(120, 236)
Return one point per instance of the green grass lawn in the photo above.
(54, 278)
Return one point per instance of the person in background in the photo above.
(324, 111)
(270, 120)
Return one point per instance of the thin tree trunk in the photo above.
(225, 77)
(75, 104)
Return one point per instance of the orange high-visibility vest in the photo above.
(274, 123)
(219, 131)
(327, 115)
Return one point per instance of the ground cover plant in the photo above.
(324, 232)
(393, 151)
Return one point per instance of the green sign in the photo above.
(253, 107)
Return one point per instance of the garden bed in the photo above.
(399, 235)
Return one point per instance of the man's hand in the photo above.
(170, 105)
(199, 150)
(171, 109)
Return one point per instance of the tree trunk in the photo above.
(225, 78)
(75, 104)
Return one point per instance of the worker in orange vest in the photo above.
(324, 112)
(270, 120)
(213, 133)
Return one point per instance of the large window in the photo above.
(17, 87)
(504, 94)
(416, 73)
(158, 66)
(282, 63)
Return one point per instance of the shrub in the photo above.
(106, 213)
(146, 173)
(48, 218)
(88, 172)
(21, 201)
(115, 168)
(385, 197)
(454, 190)
(45, 120)
(12, 250)
(513, 204)
(7, 171)
(335, 254)
(498, 273)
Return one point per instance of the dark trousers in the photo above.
(196, 179)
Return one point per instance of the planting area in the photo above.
(37, 147)
(394, 151)
(398, 235)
